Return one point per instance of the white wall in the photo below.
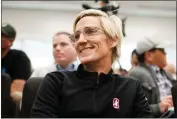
(35, 29)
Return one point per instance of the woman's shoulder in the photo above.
(125, 79)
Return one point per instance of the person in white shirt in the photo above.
(64, 53)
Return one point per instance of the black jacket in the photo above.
(85, 94)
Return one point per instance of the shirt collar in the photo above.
(154, 67)
(71, 67)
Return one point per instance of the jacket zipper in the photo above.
(97, 81)
(95, 104)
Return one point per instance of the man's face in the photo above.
(92, 44)
(63, 50)
(6, 42)
(134, 60)
(159, 57)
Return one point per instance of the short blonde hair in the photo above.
(112, 25)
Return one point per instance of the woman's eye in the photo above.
(90, 31)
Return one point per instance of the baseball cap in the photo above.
(8, 30)
(148, 43)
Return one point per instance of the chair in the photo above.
(29, 94)
(8, 107)
(174, 95)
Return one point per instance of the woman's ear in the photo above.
(113, 42)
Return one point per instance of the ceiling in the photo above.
(147, 8)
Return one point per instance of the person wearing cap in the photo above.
(155, 81)
(14, 62)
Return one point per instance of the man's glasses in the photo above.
(88, 32)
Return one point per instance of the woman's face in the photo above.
(91, 42)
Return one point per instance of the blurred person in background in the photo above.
(64, 53)
(155, 81)
(170, 68)
(134, 59)
(93, 90)
(121, 71)
(14, 62)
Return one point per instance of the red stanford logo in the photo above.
(116, 103)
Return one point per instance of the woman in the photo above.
(93, 90)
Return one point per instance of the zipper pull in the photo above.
(97, 81)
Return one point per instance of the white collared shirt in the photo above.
(41, 72)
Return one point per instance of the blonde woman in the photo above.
(93, 90)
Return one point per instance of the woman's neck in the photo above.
(102, 66)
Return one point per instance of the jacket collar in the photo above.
(152, 73)
(84, 74)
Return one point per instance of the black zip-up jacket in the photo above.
(85, 94)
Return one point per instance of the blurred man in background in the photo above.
(155, 81)
(14, 62)
(170, 68)
(134, 59)
(64, 53)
